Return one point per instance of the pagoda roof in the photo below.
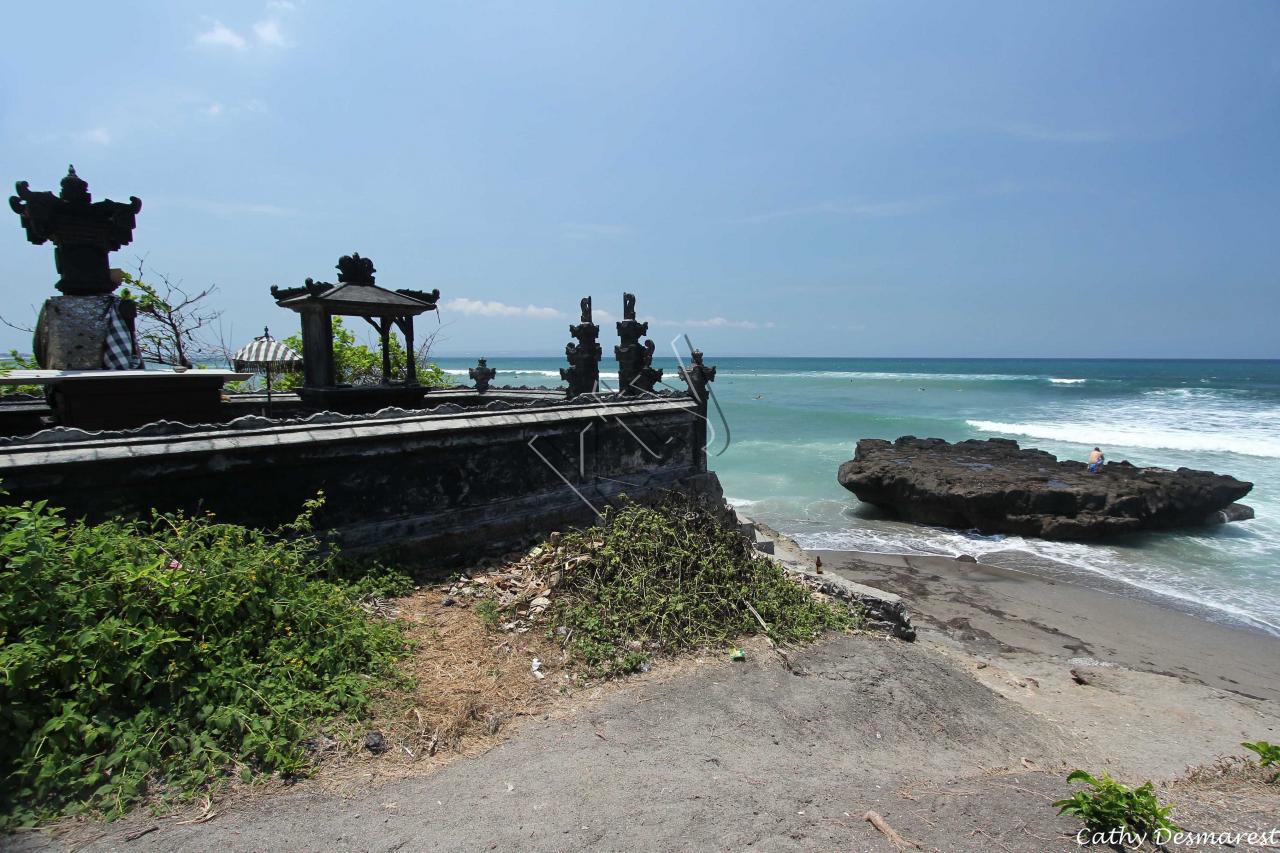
(356, 299)
(355, 294)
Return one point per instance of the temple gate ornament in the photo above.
(83, 232)
(698, 376)
(636, 373)
(482, 374)
(355, 295)
(87, 328)
(583, 372)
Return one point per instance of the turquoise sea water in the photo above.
(791, 422)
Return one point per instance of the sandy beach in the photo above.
(1153, 675)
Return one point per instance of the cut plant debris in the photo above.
(652, 581)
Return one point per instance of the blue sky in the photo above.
(889, 179)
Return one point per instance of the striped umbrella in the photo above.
(265, 354)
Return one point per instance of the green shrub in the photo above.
(14, 360)
(151, 657)
(1268, 753)
(1112, 806)
(672, 578)
(358, 364)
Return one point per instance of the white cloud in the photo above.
(95, 136)
(268, 32)
(220, 35)
(213, 110)
(720, 323)
(481, 308)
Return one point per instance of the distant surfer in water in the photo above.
(1095, 460)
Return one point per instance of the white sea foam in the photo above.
(1067, 557)
(452, 371)
(1155, 436)
(888, 376)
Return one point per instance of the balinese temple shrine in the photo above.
(356, 295)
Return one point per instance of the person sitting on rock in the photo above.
(1095, 461)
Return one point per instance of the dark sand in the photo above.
(1164, 689)
(1000, 610)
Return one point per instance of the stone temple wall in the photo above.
(435, 489)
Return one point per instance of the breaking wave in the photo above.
(554, 374)
(1037, 555)
(1137, 435)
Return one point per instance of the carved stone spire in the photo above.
(636, 373)
(583, 372)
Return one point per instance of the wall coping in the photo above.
(214, 441)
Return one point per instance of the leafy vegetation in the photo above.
(358, 364)
(1268, 753)
(1107, 805)
(21, 362)
(671, 578)
(150, 657)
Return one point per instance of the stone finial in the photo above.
(353, 269)
(482, 374)
(698, 376)
(583, 372)
(636, 373)
(74, 188)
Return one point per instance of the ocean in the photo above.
(790, 422)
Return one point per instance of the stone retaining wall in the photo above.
(436, 488)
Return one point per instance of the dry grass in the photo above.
(1221, 794)
(472, 686)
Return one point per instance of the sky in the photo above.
(1004, 179)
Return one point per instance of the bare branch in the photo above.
(16, 326)
(171, 318)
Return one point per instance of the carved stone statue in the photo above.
(636, 373)
(698, 376)
(353, 269)
(87, 328)
(482, 374)
(583, 372)
(82, 231)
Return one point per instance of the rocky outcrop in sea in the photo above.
(995, 486)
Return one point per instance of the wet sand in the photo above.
(1144, 688)
(1004, 611)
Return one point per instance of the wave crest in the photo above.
(1122, 435)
